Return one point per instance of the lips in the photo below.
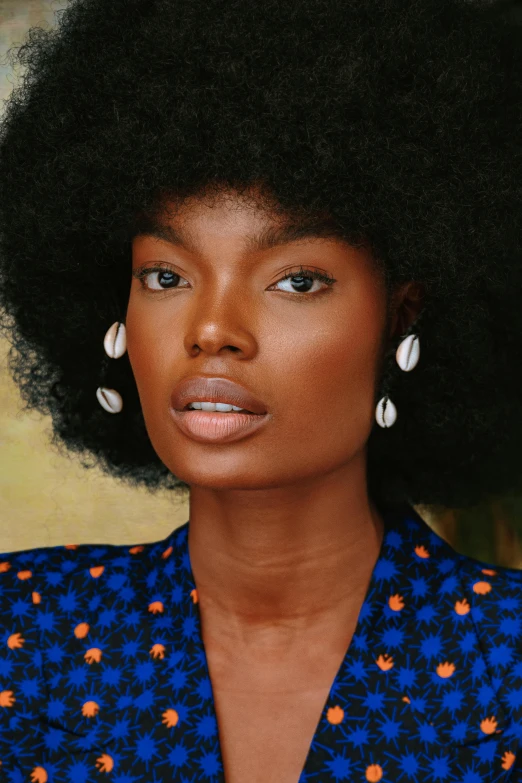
(211, 389)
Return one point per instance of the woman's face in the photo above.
(220, 308)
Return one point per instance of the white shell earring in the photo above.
(407, 356)
(109, 399)
(408, 353)
(115, 341)
(385, 412)
(115, 345)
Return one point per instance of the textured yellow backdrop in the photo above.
(45, 498)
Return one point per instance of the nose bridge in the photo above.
(222, 314)
(224, 295)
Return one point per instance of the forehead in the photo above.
(259, 225)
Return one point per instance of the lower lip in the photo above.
(210, 427)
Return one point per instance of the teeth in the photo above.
(221, 407)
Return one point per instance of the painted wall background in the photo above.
(48, 499)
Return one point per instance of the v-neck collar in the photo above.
(413, 698)
(352, 674)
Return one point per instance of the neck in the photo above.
(283, 561)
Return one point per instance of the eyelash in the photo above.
(315, 274)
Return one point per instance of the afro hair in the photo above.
(398, 119)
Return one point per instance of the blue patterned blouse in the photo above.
(103, 673)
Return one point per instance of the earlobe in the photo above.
(407, 304)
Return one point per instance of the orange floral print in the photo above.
(481, 588)
(508, 759)
(194, 595)
(396, 603)
(374, 773)
(489, 725)
(5, 566)
(105, 762)
(37, 598)
(23, 575)
(170, 718)
(158, 651)
(489, 572)
(135, 550)
(39, 775)
(155, 607)
(167, 553)
(421, 551)
(445, 670)
(7, 698)
(96, 571)
(94, 655)
(335, 715)
(15, 641)
(71, 546)
(384, 662)
(90, 709)
(462, 607)
(81, 630)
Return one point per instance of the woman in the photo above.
(303, 219)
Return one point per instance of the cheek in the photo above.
(335, 364)
(326, 379)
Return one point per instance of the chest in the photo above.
(268, 704)
(265, 737)
(268, 709)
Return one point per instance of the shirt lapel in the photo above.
(414, 699)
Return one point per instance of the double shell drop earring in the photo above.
(407, 356)
(115, 345)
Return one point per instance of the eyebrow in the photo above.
(266, 239)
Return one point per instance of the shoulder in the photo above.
(487, 598)
(51, 594)
(32, 577)
(42, 585)
(495, 596)
(39, 573)
(493, 593)
(499, 585)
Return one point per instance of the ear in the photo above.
(407, 303)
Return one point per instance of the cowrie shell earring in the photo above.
(115, 345)
(109, 399)
(408, 353)
(115, 341)
(385, 413)
(407, 356)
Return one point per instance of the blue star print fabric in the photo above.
(103, 673)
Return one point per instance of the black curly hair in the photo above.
(399, 119)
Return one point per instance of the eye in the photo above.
(304, 279)
(160, 278)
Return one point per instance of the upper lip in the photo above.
(205, 389)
